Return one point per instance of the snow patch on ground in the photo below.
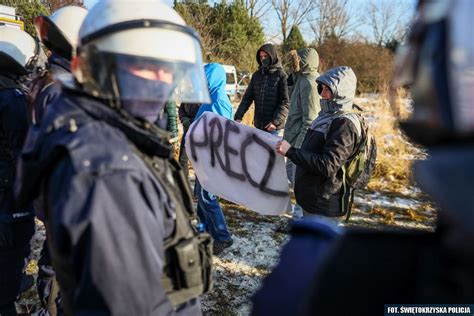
(239, 270)
(377, 199)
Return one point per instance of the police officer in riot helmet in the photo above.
(362, 270)
(19, 54)
(124, 238)
(59, 33)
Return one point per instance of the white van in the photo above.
(231, 86)
(8, 18)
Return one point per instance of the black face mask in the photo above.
(141, 97)
(266, 62)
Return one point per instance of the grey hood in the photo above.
(309, 60)
(343, 82)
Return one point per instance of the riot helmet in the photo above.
(59, 32)
(19, 52)
(138, 55)
(437, 65)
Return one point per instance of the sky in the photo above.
(271, 24)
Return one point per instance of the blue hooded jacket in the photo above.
(220, 103)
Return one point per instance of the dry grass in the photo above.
(387, 216)
(248, 117)
(395, 153)
(414, 216)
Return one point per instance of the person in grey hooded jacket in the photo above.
(304, 98)
(330, 142)
(304, 107)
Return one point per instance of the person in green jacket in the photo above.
(304, 107)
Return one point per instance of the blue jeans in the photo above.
(211, 215)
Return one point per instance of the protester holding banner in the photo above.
(268, 89)
(329, 143)
(209, 209)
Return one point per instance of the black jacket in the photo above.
(107, 213)
(318, 179)
(330, 143)
(187, 112)
(13, 130)
(268, 88)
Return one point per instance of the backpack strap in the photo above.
(361, 129)
(349, 209)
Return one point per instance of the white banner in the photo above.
(238, 163)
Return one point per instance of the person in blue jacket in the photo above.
(209, 209)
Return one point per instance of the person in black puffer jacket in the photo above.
(268, 88)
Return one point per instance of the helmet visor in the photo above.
(146, 64)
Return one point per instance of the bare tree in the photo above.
(257, 8)
(291, 12)
(386, 18)
(198, 16)
(333, 18)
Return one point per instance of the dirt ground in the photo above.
(240, 269)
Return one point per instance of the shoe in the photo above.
(219, 246)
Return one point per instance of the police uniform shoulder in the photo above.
(92, 145)
(97, 147)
